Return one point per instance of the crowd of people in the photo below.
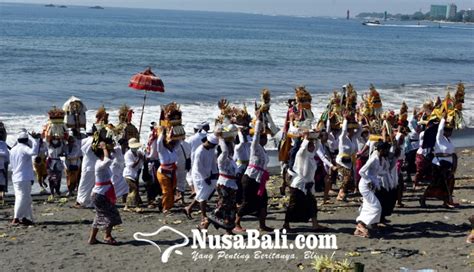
(354, 150)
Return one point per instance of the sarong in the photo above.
(442, 185)
(424, 169)
(23, 200)
(86, 184)
(106, 213)
(224, 214)
(371, 210)
(133, 197)
(168, 186)
(301, 207)
(345, 178)
(387, 199)
(40, 168)
(359, 163)
(319, 176)
(252, 203)
(72, 179)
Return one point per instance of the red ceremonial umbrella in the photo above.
(147, 81)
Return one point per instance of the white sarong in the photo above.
(204, 190)
(86, 184)
(371, 210)
(23, 201)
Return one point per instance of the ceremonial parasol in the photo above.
(147, 81)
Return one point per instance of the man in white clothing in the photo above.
(23, 177)
(204, 173)
(87, 181)
(196, 140)
(371, 209)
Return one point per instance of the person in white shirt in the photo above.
(412, 143)
(86, 182)
(117, 167)
(370, 210)
(104, 198)
(183, 166)
(302, 205)
(241, 157)
(326, 165)
(224, 214)
(444, 166)
(73, 164)
(4, 161)
(55, 165)
(424, 168)
(168, 164)
(346, 157)
(362, 155)
(133, 162)
(255, 198)
(196, 140)
(204, 173)
(23, 177)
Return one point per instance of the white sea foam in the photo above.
(413, 95)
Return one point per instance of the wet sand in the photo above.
(58, 241)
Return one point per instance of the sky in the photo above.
(280, 7)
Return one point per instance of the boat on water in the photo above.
(49, 6)
(371, 23)
(96, 7)
(62, 6)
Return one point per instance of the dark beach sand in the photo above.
(58, 240)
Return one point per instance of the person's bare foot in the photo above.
(470, 238)
(15, 222)
(239, 229)
(92, 241)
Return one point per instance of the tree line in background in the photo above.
(461, 16)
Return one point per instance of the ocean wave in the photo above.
(193, 112)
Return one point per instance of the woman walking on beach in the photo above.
(167, 171)
(103, 196)
(302, 206)
(22, 177)
(371, 210)
(224, 214)
(444, 167)
(255, 198)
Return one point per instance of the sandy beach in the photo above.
(58, 240)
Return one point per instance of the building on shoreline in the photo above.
(438, 11)
(451, 11)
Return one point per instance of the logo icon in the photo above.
(167, 253)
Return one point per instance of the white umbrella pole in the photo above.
(143, 111)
